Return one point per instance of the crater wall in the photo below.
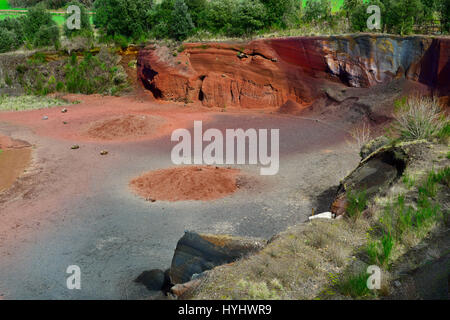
(266, 73)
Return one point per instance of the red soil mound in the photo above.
(186, 183)
(123, 127)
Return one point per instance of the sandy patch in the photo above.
(14, 159)
(186, 183)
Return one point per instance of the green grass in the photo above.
(28, 103)
(1, 151)
(409, 181)
(355, 286)
(379, 251)
(357, 202)
(400, 219)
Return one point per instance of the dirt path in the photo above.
(75, 207)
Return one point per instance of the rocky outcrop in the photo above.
(270, 72)
(196, 253)
(375, 174)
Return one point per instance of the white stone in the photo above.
(324, 215)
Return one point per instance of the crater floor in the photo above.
(75, 207)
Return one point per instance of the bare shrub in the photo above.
(360, 136)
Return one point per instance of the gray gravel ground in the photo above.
(76, 207)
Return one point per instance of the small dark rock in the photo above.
(153, 280)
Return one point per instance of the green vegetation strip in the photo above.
(29, 103)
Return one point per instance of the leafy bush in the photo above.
(94, 74)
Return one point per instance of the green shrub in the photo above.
(419, 118)
(94, 74)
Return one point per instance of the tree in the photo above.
(7, 40)
(358, 15)
(443, 8)
(401, 15)
(317, 10)
(181, 25)
(47, 35)
(350, 6)
(249, 17)
(37, 24)
(282, 13)
(15, 26)
(197, 11)
(219, 15)
(129, 18)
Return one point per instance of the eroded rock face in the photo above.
(373, 175)
(196, 253)
(269, 72)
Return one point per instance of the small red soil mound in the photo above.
(124, 127)
(186, 183)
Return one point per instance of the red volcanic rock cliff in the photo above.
(269, 72)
